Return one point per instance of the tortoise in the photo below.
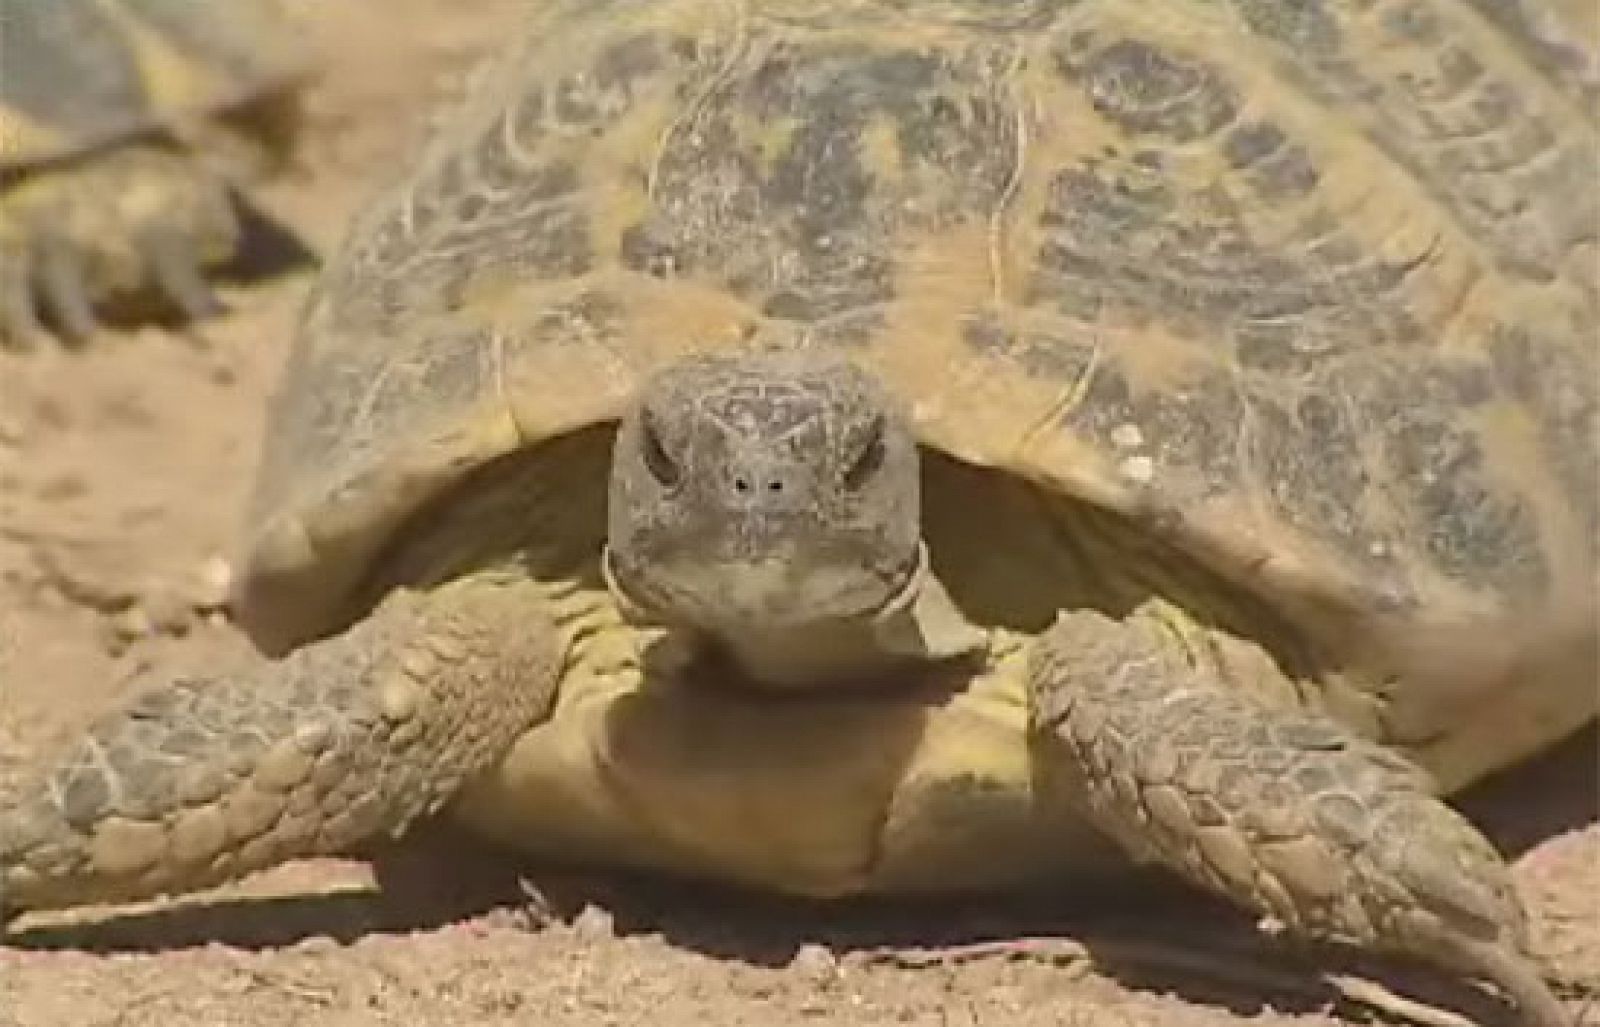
(124, 127)
(845, 446)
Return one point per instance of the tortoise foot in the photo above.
(123, 229)
(1324, 834)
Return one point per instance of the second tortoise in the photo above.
(126, 127)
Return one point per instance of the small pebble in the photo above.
(213, 582)
(594, 924)
(132, 624)
(316, 945)
(167, 612)
(814, 963)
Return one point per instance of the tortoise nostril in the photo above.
(751, 485)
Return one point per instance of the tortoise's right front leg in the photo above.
(197, 782)
(1287, 813)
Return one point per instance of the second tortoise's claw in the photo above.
(59, 274)
(20, 329)
(175, 266)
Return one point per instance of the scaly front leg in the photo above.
(1288, 814)
(198, 782)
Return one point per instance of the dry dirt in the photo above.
(123, 471)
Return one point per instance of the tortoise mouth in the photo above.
(730, 595)
(805, 628)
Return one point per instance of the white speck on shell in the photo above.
(1140, 469)
(1127, 436)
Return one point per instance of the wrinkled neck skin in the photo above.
(919, 624)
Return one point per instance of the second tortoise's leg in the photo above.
(1288, 814)
(198, 782)
(134, 222)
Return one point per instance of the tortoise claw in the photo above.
(20, 329)
(60, 279)
(177, 272)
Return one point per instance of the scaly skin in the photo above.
(1287, 814)
(198, 782)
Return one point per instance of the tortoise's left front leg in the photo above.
(201, 781)
(1286, 813)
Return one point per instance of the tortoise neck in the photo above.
(919, 624)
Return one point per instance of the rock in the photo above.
(814, 964)
(594, 924)
(213, 583)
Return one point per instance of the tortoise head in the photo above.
(761, 494)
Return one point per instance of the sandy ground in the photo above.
(123, 471)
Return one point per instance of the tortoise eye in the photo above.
(662, 467)
(868, 460)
